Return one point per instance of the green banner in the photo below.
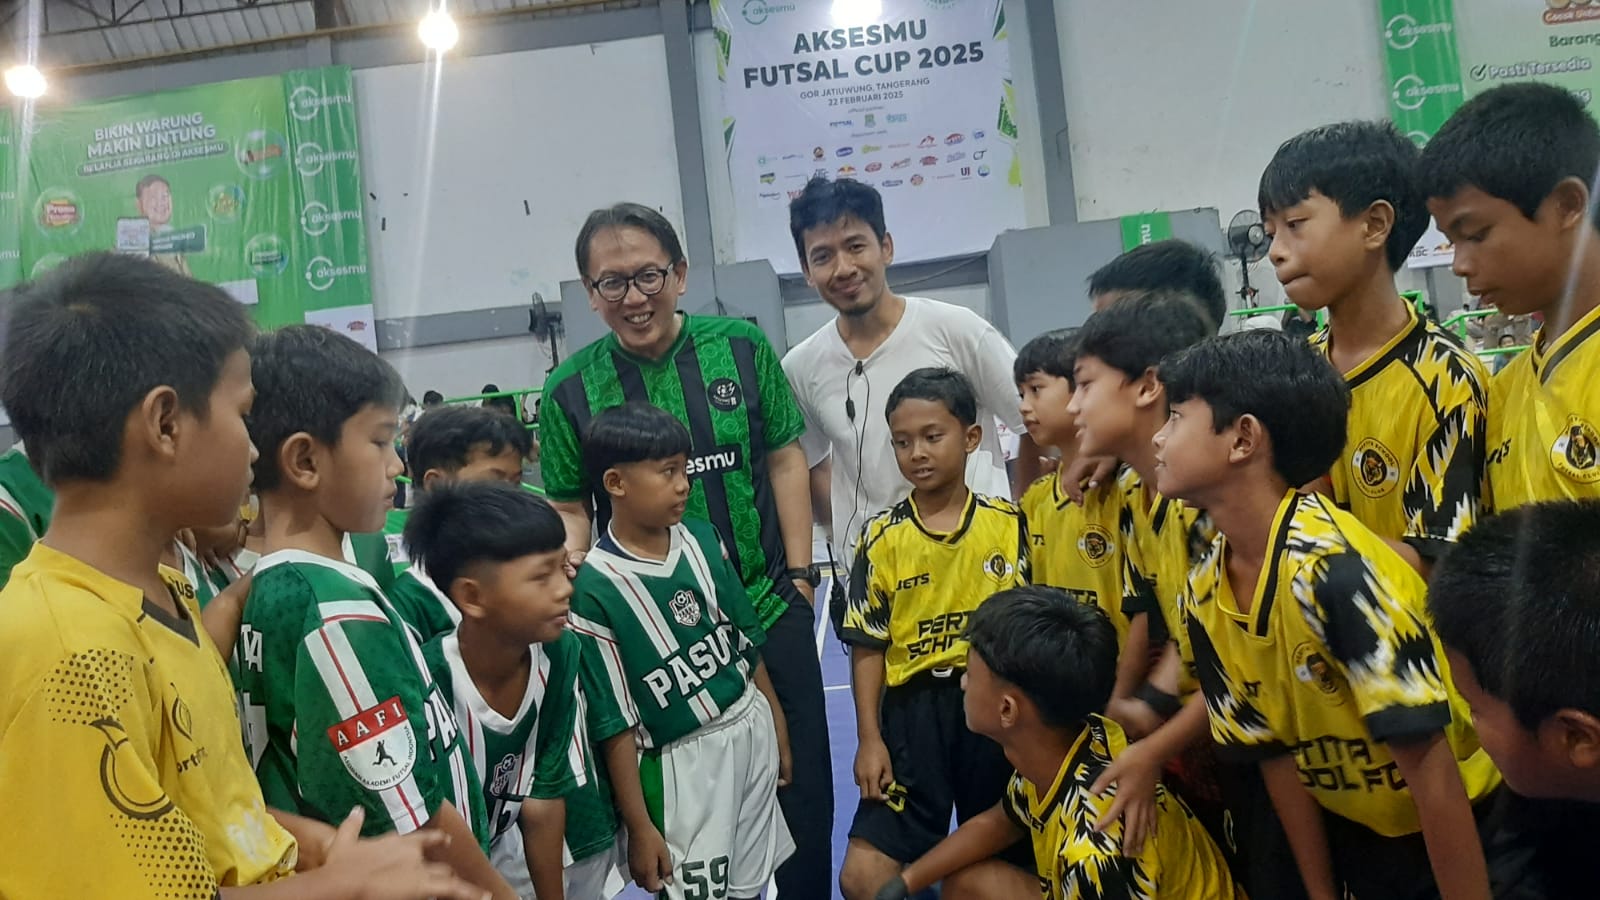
(1423, 64)
(1145, 228)
(253, 185)
(1437, 53)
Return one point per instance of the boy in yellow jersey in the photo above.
(1344, 206)
(921, 567)
(1508, 179)
(1118, 406)
(1309, 634)
(1075, 546)
(119, 730)
(1039, 670)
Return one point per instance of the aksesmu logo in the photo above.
(321, 273)
(756, 11)
(306, 101)
(317, 218)
(310, 158)
(1410, 92)
(1403, 31)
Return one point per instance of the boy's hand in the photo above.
(1135, 775)
(785, 763)
(1093, 469)
(575, 560)
(874, 773)
(391, 867)
(649, 860)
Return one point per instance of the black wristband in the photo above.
(1164, 704)
(894, 890)
(809, 574)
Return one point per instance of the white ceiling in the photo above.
(91, 32)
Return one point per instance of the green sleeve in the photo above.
(16, 541)
(560, 456)
(785, 422)
(600, 670)
(354, 679)
(558, 770)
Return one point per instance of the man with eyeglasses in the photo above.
(722, 379)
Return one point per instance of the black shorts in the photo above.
(939, 766)
(1366, 865)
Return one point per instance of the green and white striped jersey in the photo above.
(668, 645)
(422, 605)
(339, 707)
(541, 752)
(25, 506)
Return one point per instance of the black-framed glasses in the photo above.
(649, 281)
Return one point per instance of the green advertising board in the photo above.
(1438, 53)
(253, 185)
(1422, 63)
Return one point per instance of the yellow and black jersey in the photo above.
(1078, 548)
(1074, 861)
(1544, 436)
(1412, 466)
(1161, 540)
(911, 589)
(1330, 660)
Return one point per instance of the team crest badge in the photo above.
(997, 566)
(500, 781)
(1312, 668)
(725, 394)
(1375, 469)
(1095, 545)
(685, 609)
(1576, 453)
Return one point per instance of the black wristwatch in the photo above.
(810, 575)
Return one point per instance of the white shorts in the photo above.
(598, 877)
(719, 790)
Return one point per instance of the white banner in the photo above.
(913, 97)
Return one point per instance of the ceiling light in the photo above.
(25, 81)
(856, 12)
(438, 31)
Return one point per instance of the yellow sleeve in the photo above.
(1380, 646)
(79, 755)
(1443, 494)
(1024, 551)
(1091, 866)
(866, 617)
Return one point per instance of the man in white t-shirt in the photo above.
(842, 374)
